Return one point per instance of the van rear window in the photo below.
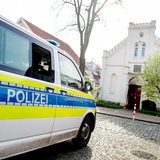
(14, 51)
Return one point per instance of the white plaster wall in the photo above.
(120, 60)
(134, 36)
(156, 46)
(114, 64)
(117, 58)
(121, 84)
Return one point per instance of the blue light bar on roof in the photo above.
(55, 43)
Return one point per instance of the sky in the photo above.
(105, 36)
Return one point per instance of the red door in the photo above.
(134, 94)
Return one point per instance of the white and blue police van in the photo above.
(44, 99)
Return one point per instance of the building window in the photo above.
(137, 68)
(143, 50)
(136, 50)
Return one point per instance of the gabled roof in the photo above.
(43, 34)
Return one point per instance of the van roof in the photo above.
(30, 33)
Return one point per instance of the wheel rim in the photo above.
(85, 132)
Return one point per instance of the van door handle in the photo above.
(63, 91)
(50, 89)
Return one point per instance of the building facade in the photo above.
(121, 64)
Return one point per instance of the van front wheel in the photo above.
(84, 134)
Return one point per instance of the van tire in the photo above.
(84, 134)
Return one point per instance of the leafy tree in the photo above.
(86, 13)
(150, 78)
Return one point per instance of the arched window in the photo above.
(113, 84)
(136, 50)
(143, 49)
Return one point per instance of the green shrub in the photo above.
(108, 104)
(154, 113)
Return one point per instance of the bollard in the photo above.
(134, 111)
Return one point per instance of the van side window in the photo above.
(14, 51)
(41, 64)
(69, 74)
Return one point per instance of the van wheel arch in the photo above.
(85, 131)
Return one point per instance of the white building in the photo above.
(120, 64)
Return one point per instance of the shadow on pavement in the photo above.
(59, 151)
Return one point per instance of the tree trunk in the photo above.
(82, 61)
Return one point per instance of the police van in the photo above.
(44, 99)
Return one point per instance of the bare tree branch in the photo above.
(87, 13)
(100, 8)
(68, 2)
(67, 26)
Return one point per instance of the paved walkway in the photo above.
(127, 113)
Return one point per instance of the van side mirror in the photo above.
(88, 86)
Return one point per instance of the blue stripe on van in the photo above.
(27, 96)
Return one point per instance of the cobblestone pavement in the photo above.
(114, 138)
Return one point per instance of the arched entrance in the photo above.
(134, 94)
